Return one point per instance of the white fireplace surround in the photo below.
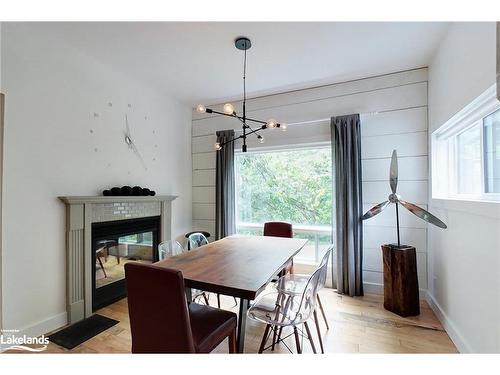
(81, 212)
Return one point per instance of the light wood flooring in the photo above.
(357, 325)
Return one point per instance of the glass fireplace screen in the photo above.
(113, 253)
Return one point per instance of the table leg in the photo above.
(242, 320)
(189, 294)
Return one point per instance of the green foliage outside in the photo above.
(293, 186)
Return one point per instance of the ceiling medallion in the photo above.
(243, 44)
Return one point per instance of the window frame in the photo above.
(284, 148)
(445, 150)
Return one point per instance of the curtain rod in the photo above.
(327, 119)
(361, 114)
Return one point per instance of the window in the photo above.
(293, 185)
(469, 160)
(491, 131)
(466, 152)
(145, 238)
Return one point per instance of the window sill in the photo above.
(468, 205)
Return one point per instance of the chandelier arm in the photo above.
(230, 141)
(241, 136)
(255, 131)
(208, 110)
(235, 115)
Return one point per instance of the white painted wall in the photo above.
(464, 260)
(401, 99)
(1, 183)
(52, 94)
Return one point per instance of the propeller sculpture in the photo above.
(396, 199)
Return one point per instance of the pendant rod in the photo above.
(244, 120)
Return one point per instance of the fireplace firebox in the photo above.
(115, 243)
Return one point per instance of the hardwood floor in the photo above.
(357, 325)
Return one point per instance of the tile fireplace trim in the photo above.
(79, 219)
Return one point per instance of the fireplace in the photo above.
(106, 231)
(114, 244)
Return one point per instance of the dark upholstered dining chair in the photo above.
(280, 229)
(161, 320)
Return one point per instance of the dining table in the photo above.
(239, 266)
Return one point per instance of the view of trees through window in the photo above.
(293, 186)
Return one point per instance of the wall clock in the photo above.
(110, 127)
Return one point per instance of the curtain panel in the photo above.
(225, 220)
(348, 205)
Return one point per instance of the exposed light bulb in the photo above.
(217, 146)
(261, 139)
(283, 126)
(271, 123)
(228, 108)
(201, 108)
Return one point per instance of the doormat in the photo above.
(82, 331)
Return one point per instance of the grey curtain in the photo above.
(348, 205)
(225, 221)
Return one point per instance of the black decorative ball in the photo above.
(126, 190)
(145, 191)
(106, 192)
(115, 191)
(137, 191)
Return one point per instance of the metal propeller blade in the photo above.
(393, 174)
(375, 210)
(423, 214)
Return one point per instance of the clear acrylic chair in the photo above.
(279, 309)
(195, 240)
(295, 284)
(171, 248)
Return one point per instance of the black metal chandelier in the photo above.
(243, 44)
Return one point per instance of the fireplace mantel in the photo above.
(113, 199)
(81, 212)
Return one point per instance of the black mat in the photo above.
(77, 333)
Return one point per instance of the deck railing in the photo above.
(319, 237)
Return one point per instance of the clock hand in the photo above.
(131, 144)
(127, 127)
(128, 139)
(138, 154)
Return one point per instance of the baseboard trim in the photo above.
(451, 330)
(46, 326)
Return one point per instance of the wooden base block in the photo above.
(401, 294)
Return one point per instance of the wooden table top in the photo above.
(238, 266)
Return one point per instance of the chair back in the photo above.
(278, 229)
(324, 266)
(303, 311)
(158, 310)
(196, 240)
(168, 249)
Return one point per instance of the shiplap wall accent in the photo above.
(400, 100)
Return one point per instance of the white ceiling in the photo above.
(197, 62)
